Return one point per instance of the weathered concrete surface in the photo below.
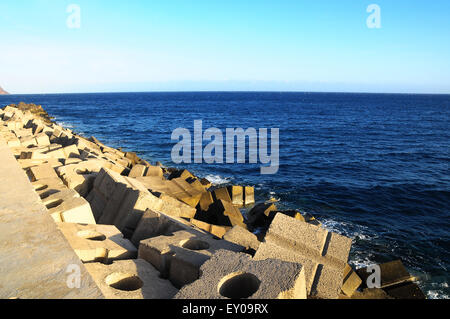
(323, 254)
(98, 243)
(34, 255)
(215, 230)
(153, 224)
(122, 201)
(180, 255)
(351, 281)
(237, 195)
(243, 237)
(249, 195)
(237, 276)
(130, 279)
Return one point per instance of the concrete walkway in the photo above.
(35, 257)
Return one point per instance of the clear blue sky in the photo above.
(292, 45)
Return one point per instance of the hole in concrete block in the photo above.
(239, 285)
(194, 244)
(91, 235)
(54, 204)
(124, 282)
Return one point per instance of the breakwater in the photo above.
(83, 181)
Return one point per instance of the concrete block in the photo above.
(173, 207)
(28, 141)
(97, 202)
(237, 195)
(206, 183)
(407, 290)
(180, 255)
(127, 199)
(243, 237)
(98, 243)
(190, 195)
(137, 171)
(81, 175)
(42, 139)
(218, 231)
(229, 275)
(368, 294)
(28, 163)
(205, 201)
(223, 213)
(392, 273)
(44, 171)
(351, 281)
(222, 194)
(183, 174)
(67, 206)
(323, 254)
(154, 224)
(176, 188)
(130, 279)
(23, 132)
(259, 215)
(48, 186)
(71, 151)
(154, 171)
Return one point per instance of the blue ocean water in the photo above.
(374, 167)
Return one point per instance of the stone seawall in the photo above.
(136, 230)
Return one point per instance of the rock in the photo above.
(3, 92)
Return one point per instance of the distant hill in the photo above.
(3, 92)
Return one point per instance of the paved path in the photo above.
(34, 255)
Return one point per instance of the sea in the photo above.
(373, 167)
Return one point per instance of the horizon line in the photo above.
(227, 91)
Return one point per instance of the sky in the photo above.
(232, 45)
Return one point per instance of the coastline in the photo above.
(220, 212)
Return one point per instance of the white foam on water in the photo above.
(435, 294)
(217, 180)
(65, 125)
(350, 230)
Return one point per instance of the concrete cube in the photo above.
(323, 254)
(228, 275)
(130, 279)
(98, 243)
(180, 255)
